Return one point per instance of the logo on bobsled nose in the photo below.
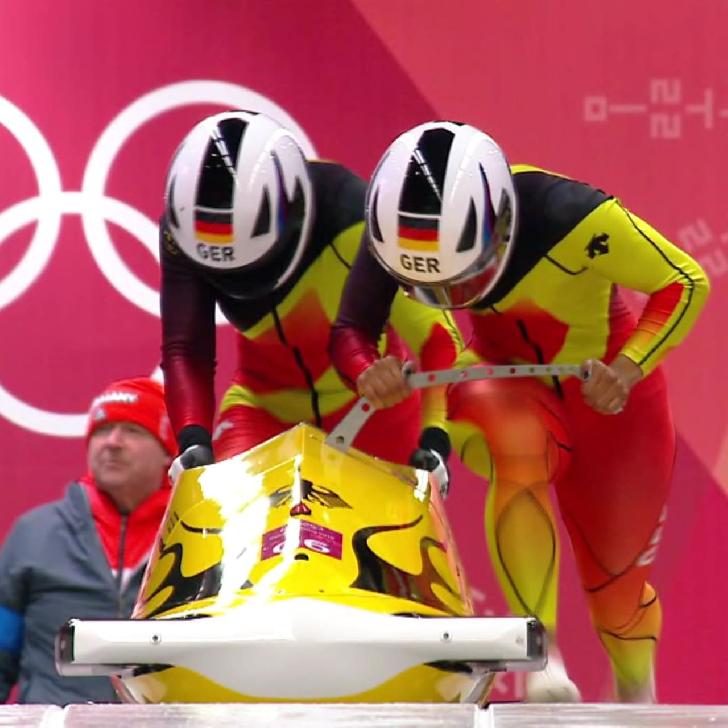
(307, 491)
(309, 536)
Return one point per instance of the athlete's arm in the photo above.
(188, 346)
(640, 258)
(363, 312)
(369, 296)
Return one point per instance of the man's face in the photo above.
(125, 457)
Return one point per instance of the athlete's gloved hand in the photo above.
(193, 457)
(432, 455)
(195, 444)
(432, 461)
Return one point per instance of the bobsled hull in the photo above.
(296, 572)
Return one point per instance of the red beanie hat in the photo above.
(139, 400)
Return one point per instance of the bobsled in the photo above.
(303, 570)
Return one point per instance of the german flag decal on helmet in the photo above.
(418, 233)
(214, 227)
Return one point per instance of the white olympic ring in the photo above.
(95, 209)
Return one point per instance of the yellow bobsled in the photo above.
(301, 571)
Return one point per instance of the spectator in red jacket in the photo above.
(84, 555)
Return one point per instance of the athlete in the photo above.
(536, 259)
(251, 226)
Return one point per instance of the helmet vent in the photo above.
(467, 237)
(425, 176)
(262, 221)
(217, 177)
(374, 228)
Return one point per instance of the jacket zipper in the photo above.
(120, 568)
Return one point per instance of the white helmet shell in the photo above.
(239, 197)
(441, 208)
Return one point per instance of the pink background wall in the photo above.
(94, 97)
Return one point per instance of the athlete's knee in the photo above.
(223, 440)
(240, 428)
(516, 418)
(228, 443)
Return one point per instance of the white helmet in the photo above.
(440, 211)
(238, 201)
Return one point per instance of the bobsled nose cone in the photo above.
(285, 574)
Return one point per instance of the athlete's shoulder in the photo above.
(553, 201)
(553, 192)
(338, 199)
(334, 182)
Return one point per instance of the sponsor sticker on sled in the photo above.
(301, 534)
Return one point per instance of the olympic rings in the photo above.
(96, 209)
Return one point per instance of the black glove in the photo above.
(432, 455)
(193, 457)
(195, 451)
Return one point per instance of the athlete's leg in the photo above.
(391, 434)
(527, 448)
(613, 503)
(241, 427)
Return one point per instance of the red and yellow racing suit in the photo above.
(284, 374)
(558, 301)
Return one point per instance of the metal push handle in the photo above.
(344, 433)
